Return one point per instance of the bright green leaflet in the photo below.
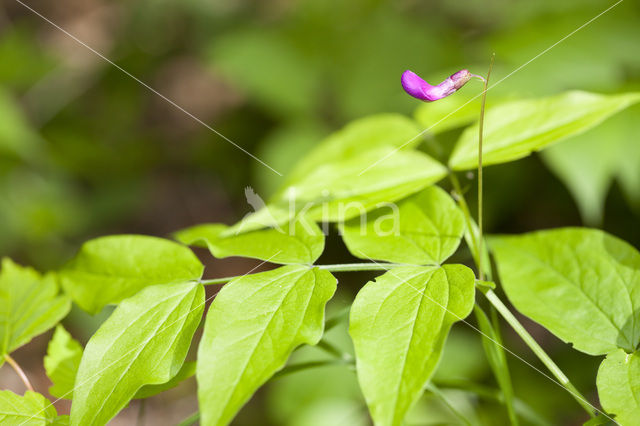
(589, 163)
(187, 370)
(61, 362)
(144, 342)
(302, 243)
(619, 386)
(32, 409)
(361, 135)
(514, 129)
(399, 324)
(341, 190)
(579, 283)
(425, 228)
(253, 325)
(492, 344)
(110, 269)
(29, 305)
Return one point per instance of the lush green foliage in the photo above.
(399, 324)
(581, 284)
(83, 152)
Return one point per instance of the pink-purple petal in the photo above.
(420, 89)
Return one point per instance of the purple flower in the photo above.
(420, 89)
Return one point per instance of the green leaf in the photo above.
(302, 243)
(188, 370)
(399, 324)
(29, 305)
(619, 386)
(376, 131)
(514, 129)
(110, 269)
(62, 362)
(588, 164)
(425, 228)
(447, 114)
(254, 323)
(342, 190)
(578, 283)
(493, 348)
(144, 342)
(32, 409)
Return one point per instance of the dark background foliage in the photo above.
(85, 150)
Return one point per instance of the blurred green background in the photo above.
(85, 150)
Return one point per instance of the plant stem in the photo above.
(141, 412)
(12, 362)
(333, 350)
(218, 280)
(540, 353)
(342, 267)
(349, 267)
(437, 392)
(480, 195)
(190, 420)
(294, 368)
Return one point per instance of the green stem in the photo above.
(218, 280)
(294, 368)
(480, 194)
(350, 267)
(467, 215)
(342, 267)
(437, 392)
(540, 353)
(333, 350)
(336, 319)
(190, 420)
(12, 362)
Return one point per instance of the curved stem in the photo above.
(12, 362)
(540, 353)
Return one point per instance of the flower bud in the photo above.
(420, 89)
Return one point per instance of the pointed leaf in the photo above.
(514, 129)
(110, 269)
(62, 362)
(578, 283)
(425, 228)
(144, 342)
(29, 305)
(619, 386)
(341, 190)
(302, 243)
(32, 409)
(399, 324)
(188, 370)
(253, 325)
(367, 133)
